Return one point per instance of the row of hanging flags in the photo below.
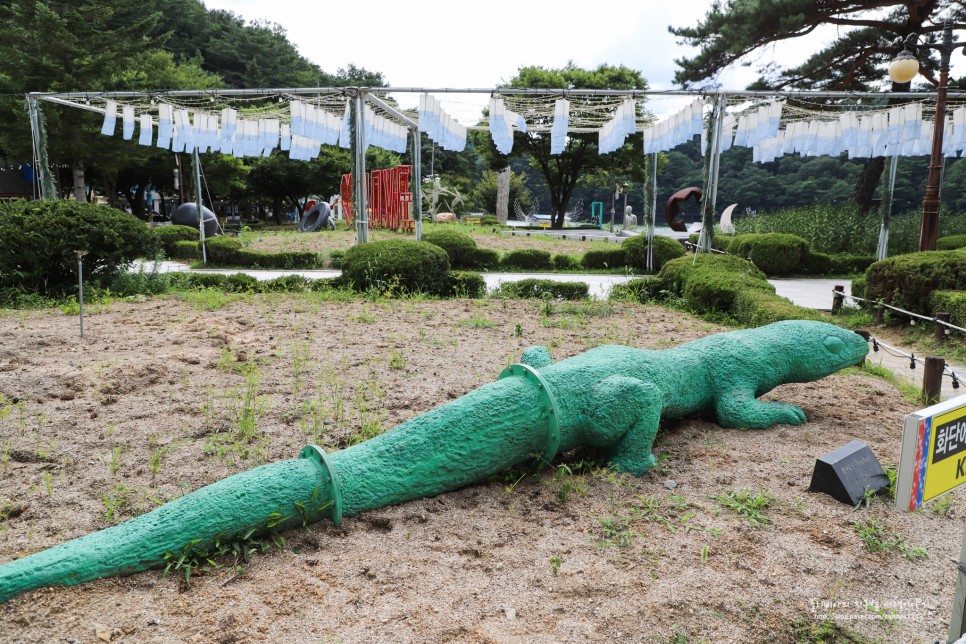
(897, 131)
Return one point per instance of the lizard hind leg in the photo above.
(625, 417)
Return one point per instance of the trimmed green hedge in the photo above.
(457, 245)
(725, 284)
(168, 236)
(603, 259)
(527, 259)
(535, 288)
(952, 302)
(40, 240)
(397, 265)
(564, 262)
(665, 249)
(822, 264)
(185, 250)
(908, 281)
(482, 259)
(229, 251)
(952, 242)
(773, 253)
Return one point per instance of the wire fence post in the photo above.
(932, 380)
(941, 331)
(838, 298)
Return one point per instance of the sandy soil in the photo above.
(145, 408)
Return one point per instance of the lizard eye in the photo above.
(834, 345)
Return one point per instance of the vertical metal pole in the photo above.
(888, 188)
(711, 189)
(652, 218)
(80, 289)
(36, 138)
(201, 215)
(417, 187)
(359, 167)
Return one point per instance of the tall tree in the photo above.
(855, 61)
(580, 160)
(53, 46)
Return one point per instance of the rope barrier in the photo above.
(913, 359)
(688, 244)
(897, 309)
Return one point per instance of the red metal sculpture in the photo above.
(673, 207)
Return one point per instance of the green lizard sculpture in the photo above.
(611, 397)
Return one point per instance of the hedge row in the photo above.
(952, 302)
(781, 254)
(720, 284)
(952, 242)
(909, 281)
(537, 288)
(463, 253)
(228, 251)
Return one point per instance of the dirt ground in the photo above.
(149, 405)
(342, 239)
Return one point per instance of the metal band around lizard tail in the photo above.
(550, 409)
(315, 453)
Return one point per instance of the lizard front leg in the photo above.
(738, 408)
(625, 419)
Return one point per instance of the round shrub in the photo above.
(712, 282)
(528, 259)
(773, 253)
(952, 242)
(401, 265)
(40, 240)
(168, 236)
(456, 244)
(482, 258)
(635, 251)
(222, 250)
(489, 220)
(908, 281)
(603, 259)
(564, 262)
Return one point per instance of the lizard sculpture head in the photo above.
(818, 349)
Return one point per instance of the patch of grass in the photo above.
(614, 531)
(477, 321)
(877, 538)
(242, 440)
(748, 505)
(807, 630)
(568, 483)
(397, 359)
(208, 299)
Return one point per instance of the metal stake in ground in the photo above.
(80, 288)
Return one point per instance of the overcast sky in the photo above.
(431, 43)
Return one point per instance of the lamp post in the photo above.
(902, 70)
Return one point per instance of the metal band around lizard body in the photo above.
(315, 453)
(550, 409)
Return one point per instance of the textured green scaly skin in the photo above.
(611, 397)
